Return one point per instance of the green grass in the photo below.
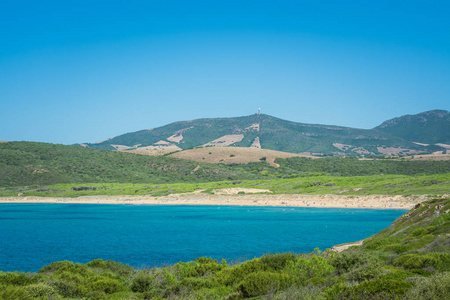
(437, 184)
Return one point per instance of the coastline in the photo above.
(283, 200)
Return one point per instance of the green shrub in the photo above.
(55, 266)
(105, 285)
(436, 287)
(316, 266)
(118, 268)
(416, 261)
(237, 273)
(216, 293)
(198, 283)
(65, 288)
(397, 248)
(39, 290)
(310, 292)
(381, 243)
(96, 295)
(67, 267)
(260, 283)
(199, 267)
(366, 272)
(97, 263)
(346, 260)
(277, 262)
(374, 289)
(142, 282)
(14, 293)
(14, 278)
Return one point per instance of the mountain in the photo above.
(430, 127)
(266, 132)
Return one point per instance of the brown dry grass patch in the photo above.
(230, 155)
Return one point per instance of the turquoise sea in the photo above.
(34, 235)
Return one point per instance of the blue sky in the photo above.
(83, 71)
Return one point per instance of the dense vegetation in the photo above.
(408, 260)
(427, 127)
(39, 164)
(355, 167)
(25, 163)
(273, 133)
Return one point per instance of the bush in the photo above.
(65, 288)
(366, 272)
(200, 267)
(238, 273)
(198, 283)
(309, 292)
(380, 288)
(67, 266)
(39, 290)
(105, 285)
(316, 266)
(346, 260)
(416, 261)
(14, 278)
(97, 263)
(142, 282)
(435, 287)
(14, 293)
(260, 283)
(118, 268)
(277, 262)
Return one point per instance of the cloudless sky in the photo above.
(83, 71)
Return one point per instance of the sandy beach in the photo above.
(288, 200)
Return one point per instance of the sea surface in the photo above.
(34, 235)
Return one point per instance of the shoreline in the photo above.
(279, 200)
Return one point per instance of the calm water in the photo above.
(34, 235)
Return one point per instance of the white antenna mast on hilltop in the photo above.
(259, 111)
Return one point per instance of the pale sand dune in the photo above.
(198, 198)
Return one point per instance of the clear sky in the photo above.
(83, 71)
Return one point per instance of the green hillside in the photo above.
(408, 260)
(37, 164)
(272, 133)
(27, 163)
(429, 127)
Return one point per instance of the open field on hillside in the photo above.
(234, 155)
(241, 155)
(431, 157)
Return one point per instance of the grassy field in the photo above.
(437, 184)
(408, 260)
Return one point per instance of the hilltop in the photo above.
(431, 127)
(267, 132)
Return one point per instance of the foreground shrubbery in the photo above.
(409, 260)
